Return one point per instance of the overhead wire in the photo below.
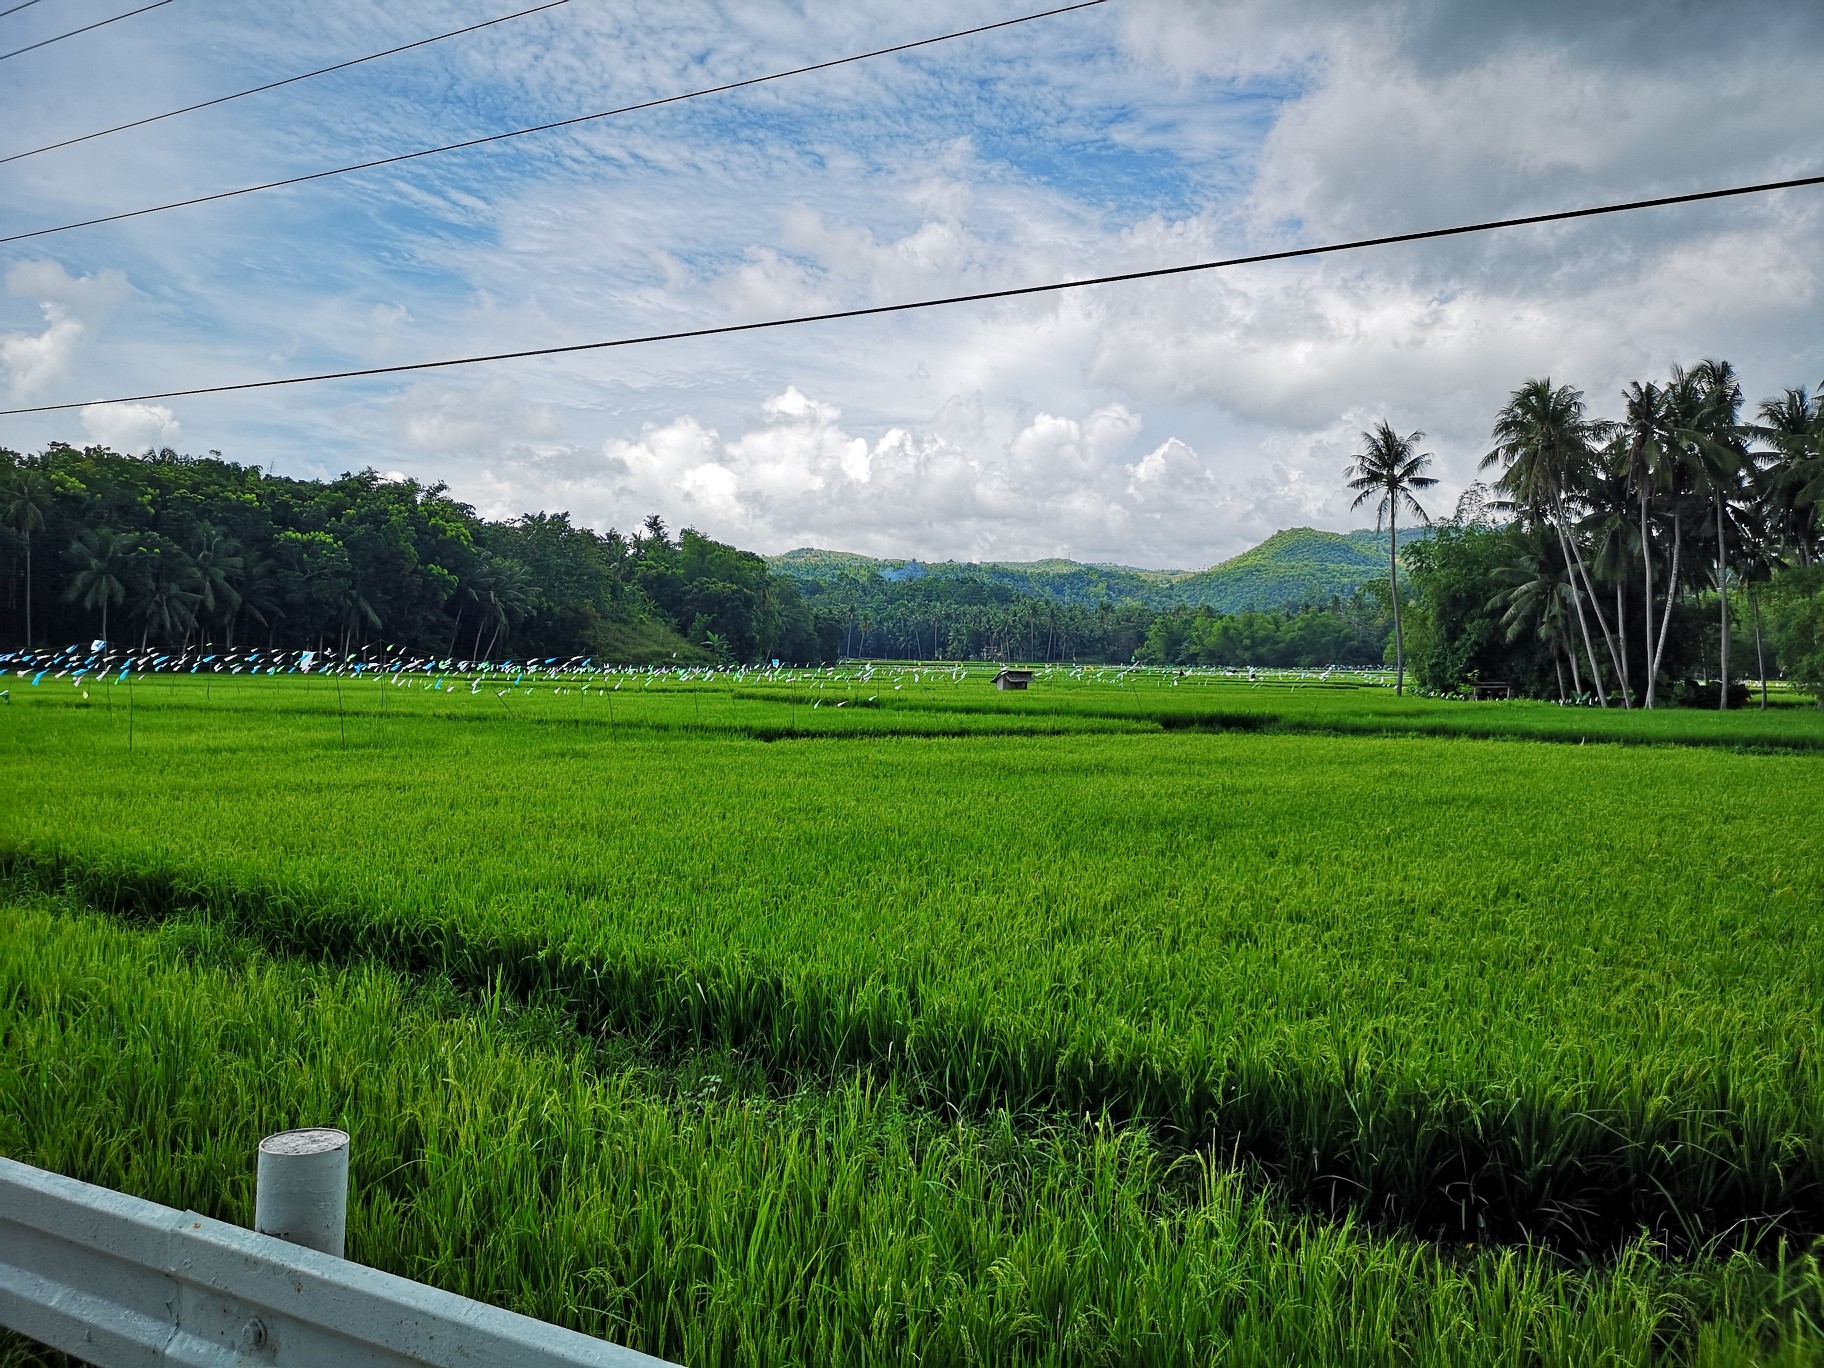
(979, 296)
(274, 85)
(560, 123)
(16, 8)
(86, 28)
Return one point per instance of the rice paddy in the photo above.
(866, 1016)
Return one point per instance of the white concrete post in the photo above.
(301, 1192)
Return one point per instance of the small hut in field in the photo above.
(1013, 679)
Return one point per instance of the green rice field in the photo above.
(877, 1016)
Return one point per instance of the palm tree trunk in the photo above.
(1583, 627)
(1621, 637)
(1558, 669)
(1621, 678)
(1722, 598)
(1393, 586)
(28, 587)
(1646, 560)
(1760, 659)
(1665, 620)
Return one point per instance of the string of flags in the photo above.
(101, 661)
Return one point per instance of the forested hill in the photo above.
(1299, 565)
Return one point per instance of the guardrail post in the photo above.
(301, 1191)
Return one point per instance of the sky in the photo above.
(1165, 424)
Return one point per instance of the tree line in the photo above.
(1352, 631)
(171, 550)
(973, 617)
(1661, 555)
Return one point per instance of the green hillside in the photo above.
(1299, 565)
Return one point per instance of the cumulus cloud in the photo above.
(795, 475)
(73, 306)
(131, 428)
(480, 419)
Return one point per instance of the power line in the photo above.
(86, 28)
(560, 123)
(274, 85)
(1154, 273)
(16, 8)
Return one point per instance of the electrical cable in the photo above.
(560, 123)
(1153, 273)
(16, 8)
(86, 28)
(274, 85)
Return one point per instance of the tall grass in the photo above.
(1486, 990)
(689, 1212)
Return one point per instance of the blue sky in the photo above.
(1162, 424)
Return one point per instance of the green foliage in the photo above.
(1352, 633)
(1299, 565)
(1457, 627)
(687, 1212)
(1296, 566)
(176, 550)
(1795, 614)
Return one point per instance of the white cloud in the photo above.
(796, 476)
(477, 419)
(133, 428)
(72, 307)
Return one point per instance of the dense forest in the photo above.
(167, 550)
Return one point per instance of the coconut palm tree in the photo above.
(1544, 441)
(258, 592)
(1539, 600)
(508, 598)
(25, 497)
(1646, 459)
(166, 592)
(1614, 539)
(1679, 483)
(1756, 552)
(1390, 470)
(1721, 463)
(354, 614)
(101, 558)
(1792, 426)
(219, 565)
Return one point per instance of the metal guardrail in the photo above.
(117, 1280)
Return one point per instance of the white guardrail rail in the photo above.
(116, 1280)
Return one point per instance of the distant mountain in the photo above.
(1299, 565)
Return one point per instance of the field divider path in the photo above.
(1456, 720)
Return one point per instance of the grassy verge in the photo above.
(692, 1214)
